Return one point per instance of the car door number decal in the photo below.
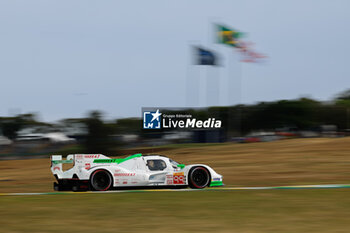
(179, 178)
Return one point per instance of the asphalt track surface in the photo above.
(324, 186)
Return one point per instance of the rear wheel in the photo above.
(56, 186)
(199, 178)
(101, 180)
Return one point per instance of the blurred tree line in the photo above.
(101, 136)
(300, 114)
(11, 125)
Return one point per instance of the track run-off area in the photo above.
(323, 186)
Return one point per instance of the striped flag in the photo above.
(228, 36)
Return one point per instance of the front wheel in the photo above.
(198, 178)
(101, 180)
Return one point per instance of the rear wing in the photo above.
(57, 161)
(76, 159)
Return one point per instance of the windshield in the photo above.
(173, 163)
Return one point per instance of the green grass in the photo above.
(321, 210)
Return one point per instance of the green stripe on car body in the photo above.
(117, 160)
(61, 161)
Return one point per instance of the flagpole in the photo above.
(188, 84)
(208, 73)
(230, 93)
(230, 37)
(240, 90)
(232, 77)
(213, 83)
(192, 80)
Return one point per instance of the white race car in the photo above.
(100, 173)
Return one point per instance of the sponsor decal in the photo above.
(125, 182)
(178, 174)
(216, 179)
(56, 168)
(169, 179)
(169, 182)
(87, 166)
(92, 156)
(179, 178)
(154, 119)
(124, 174)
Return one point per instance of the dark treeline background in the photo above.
(299, 114)
(302, 114)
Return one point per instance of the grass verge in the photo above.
(287, 211)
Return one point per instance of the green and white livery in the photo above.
(100, 173)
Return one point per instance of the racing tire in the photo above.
(198, 178)
(75, 188)
(56, 187)
(101, 180)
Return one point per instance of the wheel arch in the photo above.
(102, 169)
(195, 166)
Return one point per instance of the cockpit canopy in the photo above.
(156, 164)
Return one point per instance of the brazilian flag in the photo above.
(228, 36)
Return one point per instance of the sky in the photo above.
(62, 59)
